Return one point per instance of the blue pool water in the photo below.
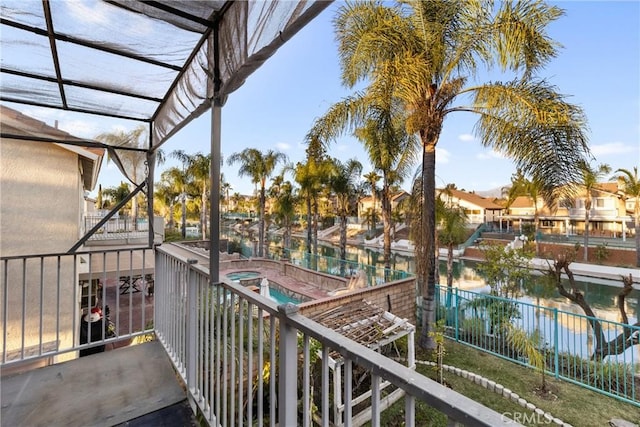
(276, 295)
(281, 298)
(241, 275)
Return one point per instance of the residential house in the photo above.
(42, 198)
(366, 204)
(479, 210)
(610, 215)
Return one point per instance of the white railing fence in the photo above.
(44, 299)
(245, 360)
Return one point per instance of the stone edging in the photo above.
(501, 390)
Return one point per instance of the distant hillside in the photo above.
(491, 194)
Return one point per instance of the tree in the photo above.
(428, 52)
(177, 180)
(225, 188)
(522, 186)
(603, 348)
(589, 179)
(284, 209)
(181, 179)
(168, 191)
(392, 152)
(99, 202)
(259, 167)
(630, 183)
(343, 184)
(312, 175)
(115, 195)
(371, 182)
(452, 230)
(131, 157)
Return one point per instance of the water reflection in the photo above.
(601, 294)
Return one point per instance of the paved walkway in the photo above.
(594, 270)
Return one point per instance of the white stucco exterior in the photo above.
(41, 205)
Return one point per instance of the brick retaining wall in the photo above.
(399, 298)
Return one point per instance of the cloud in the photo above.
(466, 137)
(490, 154)
(442, 156)
(611, 148)
(283, 146)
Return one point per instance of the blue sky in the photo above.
(598, 66)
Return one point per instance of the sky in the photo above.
(598, 67)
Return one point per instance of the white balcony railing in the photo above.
(230, 345)
(45, 298)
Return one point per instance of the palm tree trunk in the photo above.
(203, 214)
(343, 243)
(386, 224)
(309, 225)
(261, 225)
(587, 208)
(428, 223)
(184, 215)
(450, 265)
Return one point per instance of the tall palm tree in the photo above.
(199, 169)
(522, 186)
(371, 182)
(392, 152)
(184, 180)
(428, 53)
(259, 167)
(129, 153)
(166, 193)
(225, 188)
(284, 208)
(343, 184)
(178, 180)
(591, 176)
(630, 183)
(452, 230)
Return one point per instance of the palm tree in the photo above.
(225, 188)
(392, 152)
(343, 184)
(130, 154)
(428, 52)
(522, 186)
(452, 230)
(591, 175)
(115, 195)
(199, 169)
(284, 209)
(168, 191)
(259, 166)
(178, 180)
(371, 182)
(630, 183)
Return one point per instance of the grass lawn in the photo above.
(571, 403)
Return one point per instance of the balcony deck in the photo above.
(104, 389)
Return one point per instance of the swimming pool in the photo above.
(281, 298)
(236, 276)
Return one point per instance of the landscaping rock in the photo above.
(522, 402)
(618, 422)
(491, 385)
(531, 406)
(506, 393)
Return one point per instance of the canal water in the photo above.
(601, 294)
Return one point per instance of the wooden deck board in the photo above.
(103, 389)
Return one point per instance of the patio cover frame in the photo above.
(156, 62)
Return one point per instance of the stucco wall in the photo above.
(39, 198)
(40, 205)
